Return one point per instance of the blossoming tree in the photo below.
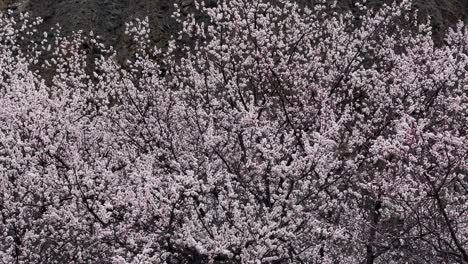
(274, 134)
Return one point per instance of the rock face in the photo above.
(107, 17)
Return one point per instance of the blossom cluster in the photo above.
(276, 134)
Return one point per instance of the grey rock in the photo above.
(107, 17)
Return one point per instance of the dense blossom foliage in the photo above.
(275, 134)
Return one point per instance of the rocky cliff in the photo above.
(107, 17)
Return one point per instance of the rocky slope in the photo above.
(107, 17)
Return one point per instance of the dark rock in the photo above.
(106, 18)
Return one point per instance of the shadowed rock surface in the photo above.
(107, 17)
